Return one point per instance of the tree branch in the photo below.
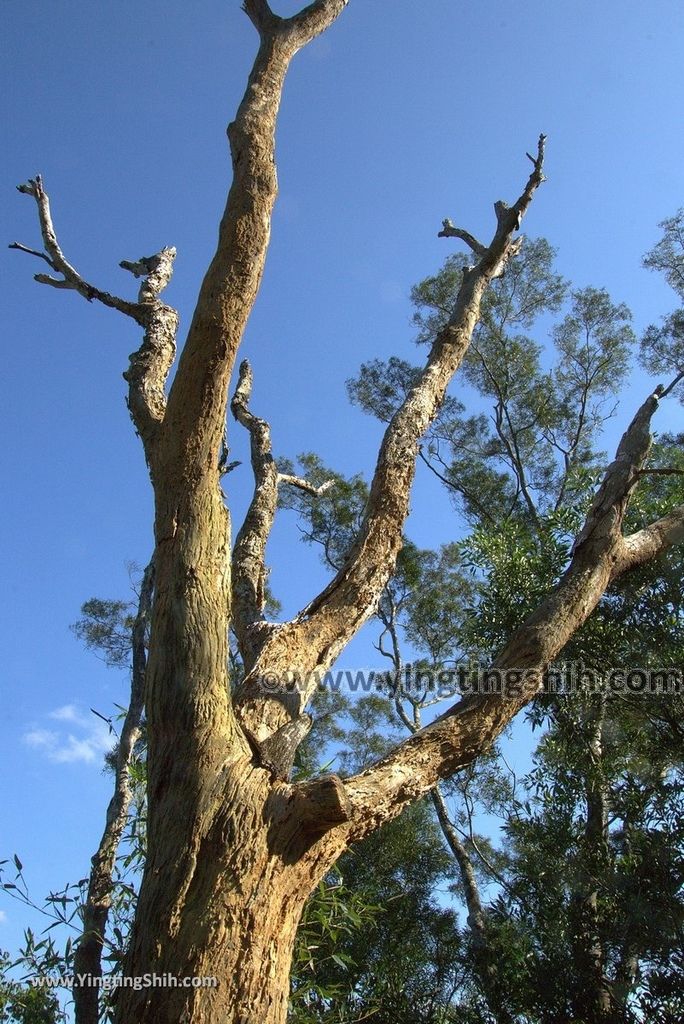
(662, 471)
(449, 230)
(150, 364)
(261, 16)
(476, 913)
(316, 636)
(31, 252)
(188, 671)
(249, 553)
(304, 485)
(300, 28)
(673, 384)
(468, 728)
(652, 541)
(55, 258)
(249, 571)
(314, 19)
(197, 400)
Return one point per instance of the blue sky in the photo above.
(403, 114)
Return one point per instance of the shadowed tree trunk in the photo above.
(88, 955)
(234, 848)
(593, 1000)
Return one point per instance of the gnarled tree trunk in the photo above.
(234, 848)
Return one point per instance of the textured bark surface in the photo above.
(234, 849)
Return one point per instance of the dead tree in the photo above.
(234, 847)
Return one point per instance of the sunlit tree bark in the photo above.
(235, 848)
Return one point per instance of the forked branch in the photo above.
(56, 259)
(314, 19)
(298, 29)
(261, 16)
(150, 364)
(311, 641)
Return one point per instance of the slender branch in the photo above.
(150, 364)
(665, 471)
(476, 913)
(57, 282)
(454, 485)
(88, 956)
(304, 485)
(56, 259)
(673, 384)
(31, 252)
(390, 624)
(249, 554)
(315, 637)
(449, 230)
(249, 571)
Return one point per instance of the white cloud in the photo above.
(41, 738)
(3, 916)
(87, 740)
(67, 713)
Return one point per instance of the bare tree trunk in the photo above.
(229, 911)
(485, 957)
(88, 956)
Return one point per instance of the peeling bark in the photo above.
(150, 364)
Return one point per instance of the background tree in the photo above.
(516, 562)
(28, 1006)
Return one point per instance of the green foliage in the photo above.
(320, 966)
(623, 752)
(527, 289)
(332, 519)
(23, 1004)
(401, 961)
(533, 448)
(105, 628)
(380, 387)
(513, 571)
(667, 256)
(662, 346)
(437, 607)
(592, 850)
